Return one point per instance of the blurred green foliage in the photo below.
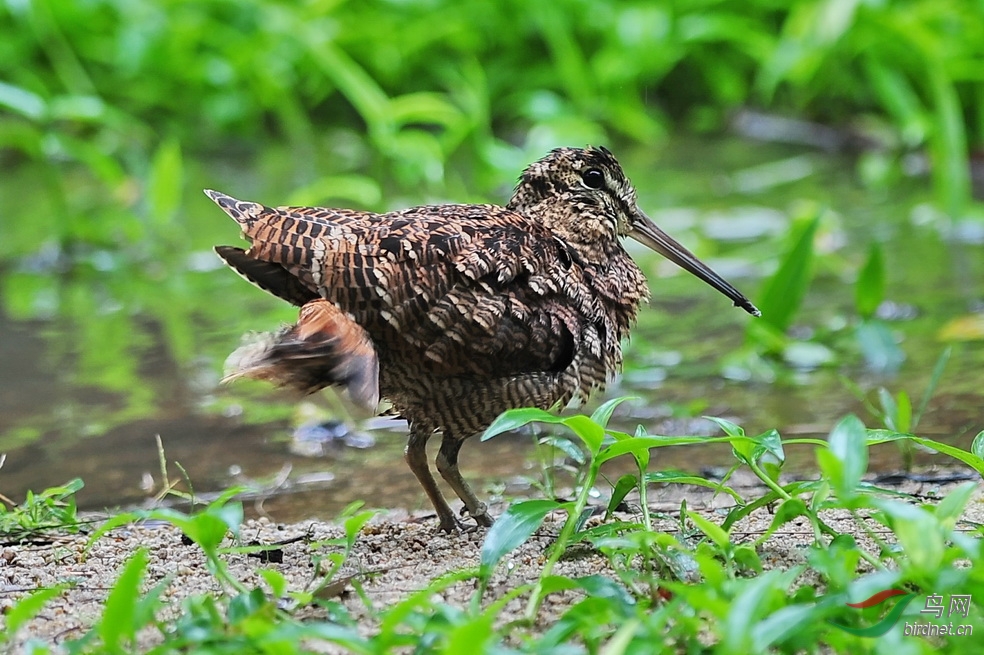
(114, 113)
(441, 86)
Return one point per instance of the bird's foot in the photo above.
(451, 525)
(481, 516)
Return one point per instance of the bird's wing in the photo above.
(474, 288)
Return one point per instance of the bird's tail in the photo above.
(243, 212)
(324, 348)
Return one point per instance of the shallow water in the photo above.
(105, 345)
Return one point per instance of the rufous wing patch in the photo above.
(324, 348)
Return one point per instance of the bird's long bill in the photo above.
(648, 234)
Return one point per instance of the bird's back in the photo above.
(473, 309)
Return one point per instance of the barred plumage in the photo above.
(465, 310)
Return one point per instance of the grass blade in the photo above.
(869, 290)
(117, 623)
(785, 290)
(27, 608)
(934, 381)
(511, 530)
(517, 418)
(603, 414)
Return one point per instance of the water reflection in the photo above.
(114, 327)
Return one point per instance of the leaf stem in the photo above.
(573, 513)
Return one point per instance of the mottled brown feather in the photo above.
(470, 309)
(324, 348)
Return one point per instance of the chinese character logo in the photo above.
(959, 605)
(890, 619)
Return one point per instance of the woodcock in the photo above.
(456, 313)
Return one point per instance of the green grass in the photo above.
(696, 588)
(437, 87)
(50, 510)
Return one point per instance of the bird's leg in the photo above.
(447, 466)
(416, 456)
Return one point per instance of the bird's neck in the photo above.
(588, 235)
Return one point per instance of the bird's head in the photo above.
(585, 198)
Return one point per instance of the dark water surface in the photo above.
(106, 345)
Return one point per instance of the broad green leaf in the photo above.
(977, 446)
(276, 580)
(165, 182)
(716, 534)
(951, 507)
(681, 477)
(517, 418)
(633, 445)
(554, 583)
(582, 519)
(847, 443)
(26, 103)
(869, 290)
(747, 558)
(769, 443)
(245, 604)
(355, 523)
(785, 290)
(970, 459)
(592, 434)
(896, 94)
(918, 532)
(782, 624)
(471, 635)
(638, 446)
(117, 622)
(229, 513)
(207, 529)
(601, 586)
(744, 449)
(729, 428)
(888, 408)
(512, 529)
(948, 139)
(876, 436)
(625, 484)
(613, 531)
(934, 381)
(566, 446)
(746, 610)
(793, 489)
(903, 412)
(597, 586)
(603, 414)
(786, 512)
(836, 561)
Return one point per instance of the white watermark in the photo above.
(917, 629)
(959, 605)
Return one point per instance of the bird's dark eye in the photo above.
(593, 178)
